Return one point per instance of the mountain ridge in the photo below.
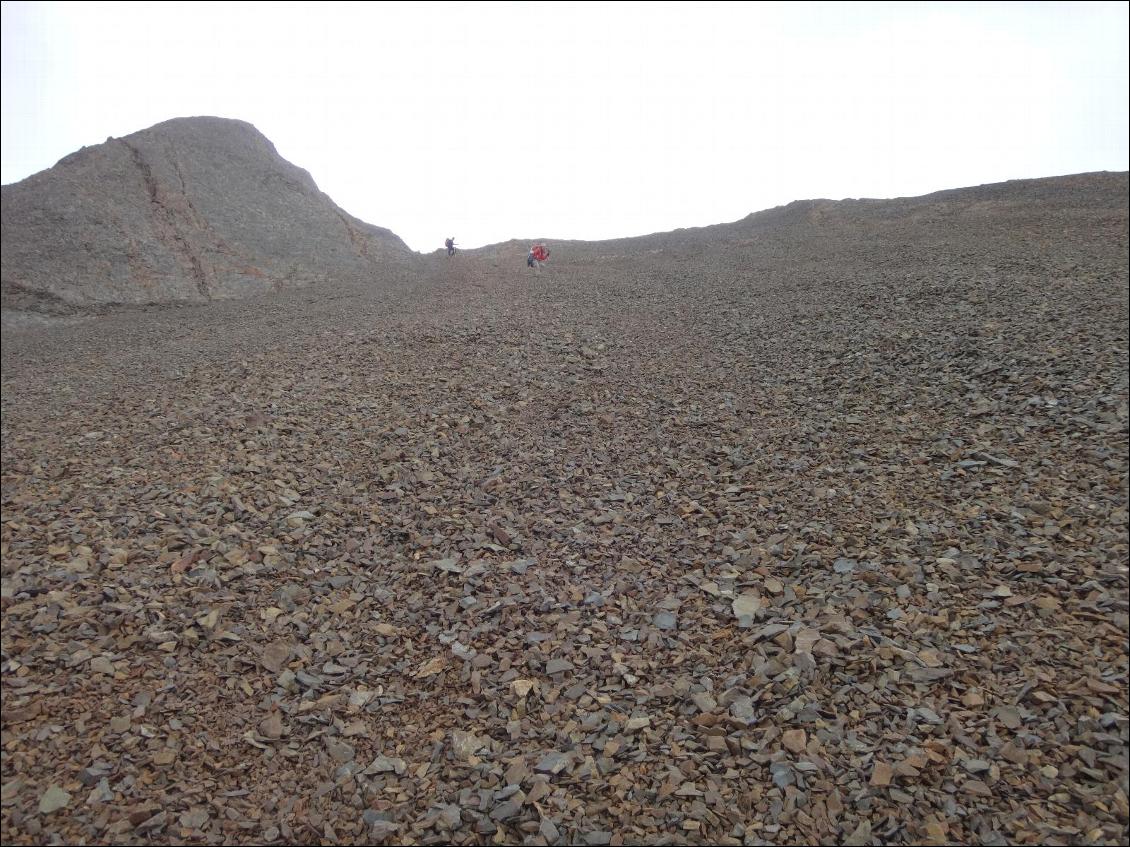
(198, 209)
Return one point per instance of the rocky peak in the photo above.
(192, 209)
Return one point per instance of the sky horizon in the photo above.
(497, 121)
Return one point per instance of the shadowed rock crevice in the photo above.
(166, 222)
(355, 238)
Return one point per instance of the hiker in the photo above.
(450, 245)
(537, 257)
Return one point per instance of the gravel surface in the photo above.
(809, 528)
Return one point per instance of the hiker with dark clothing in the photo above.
(450, 245)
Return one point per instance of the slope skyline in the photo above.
(147, 235)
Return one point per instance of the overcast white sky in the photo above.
(520, 120)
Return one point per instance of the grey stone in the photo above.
(382, 829)
(339, 750)
(53, 799)
(743, 711)
(553, 762)
(506, 810)
(549, 831)
(558, 666)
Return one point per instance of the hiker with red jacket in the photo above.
(537, 256)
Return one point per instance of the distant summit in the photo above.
(190, 210)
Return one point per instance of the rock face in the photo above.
(193, 209)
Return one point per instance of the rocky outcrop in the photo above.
(190, 210)
(784, 533)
